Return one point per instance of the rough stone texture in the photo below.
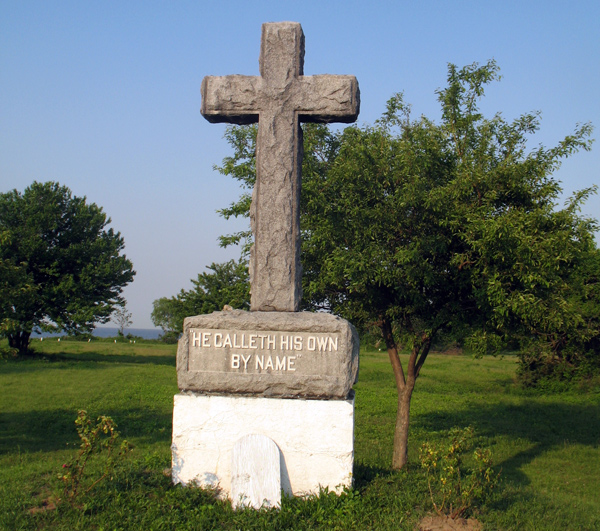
(256, 473)
(307, 372)
(279, 99)
(315, 439)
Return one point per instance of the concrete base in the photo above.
(315, 439)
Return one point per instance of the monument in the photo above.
(273, 382)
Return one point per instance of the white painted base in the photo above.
(315, 438)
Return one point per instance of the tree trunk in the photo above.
(404, 385)
(400, 456)
(20, 341)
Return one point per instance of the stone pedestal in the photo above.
(315, 439)
(286, 376)
(269, 354)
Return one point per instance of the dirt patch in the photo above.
(445, 523)
(47, 505)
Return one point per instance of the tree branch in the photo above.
(392, 349)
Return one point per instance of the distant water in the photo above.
(145, 333)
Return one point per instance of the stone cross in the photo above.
(279, 99)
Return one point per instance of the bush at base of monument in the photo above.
(269, 354)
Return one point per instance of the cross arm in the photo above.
(230, 99)
(328, 98)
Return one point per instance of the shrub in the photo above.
(454, 488)
(100, 440)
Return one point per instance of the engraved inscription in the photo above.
(256, 352)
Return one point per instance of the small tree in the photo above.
(62, 268)
(418, 228)
(421, 228)
(122, 318)
(226, 284)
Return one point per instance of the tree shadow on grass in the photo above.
(546, 426)
(365, 474)
(168, 360)
(43, 361)
(48, 431)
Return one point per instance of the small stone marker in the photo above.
(256, 473)
(279, 99)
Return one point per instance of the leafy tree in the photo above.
(422, 228)
(419, 228)
(226, 284)
(61, 268)
(168, 313)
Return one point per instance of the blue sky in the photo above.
(104, 98)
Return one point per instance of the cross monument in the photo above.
(279, 100)
(266, 401)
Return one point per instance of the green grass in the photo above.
(545, 445)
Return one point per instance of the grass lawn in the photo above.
(545, 445)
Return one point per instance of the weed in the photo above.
(100, 439)
(453, 488)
